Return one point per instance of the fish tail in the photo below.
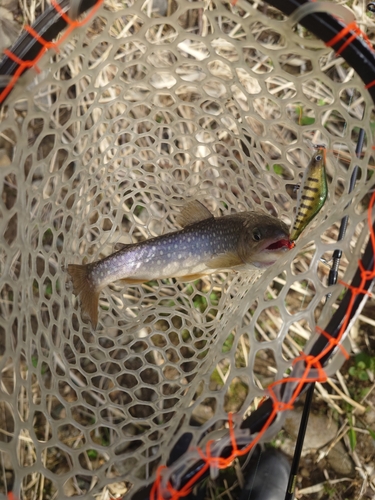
(86, 290)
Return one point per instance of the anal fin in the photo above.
(133, 281)
(191, 277)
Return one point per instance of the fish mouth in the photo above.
(269, 254)
(282, 244)
(270, 251)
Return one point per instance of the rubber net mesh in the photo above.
(142, 109)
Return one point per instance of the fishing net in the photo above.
(145, 106)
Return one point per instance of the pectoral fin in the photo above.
(224, 261)
(193, 212)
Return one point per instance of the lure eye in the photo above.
(256, 235)
(318, 158)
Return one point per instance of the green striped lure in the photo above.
(313, 192)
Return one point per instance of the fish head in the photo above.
(264, 240)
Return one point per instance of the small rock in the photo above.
(366, 447)
(369, 416)
(8, 28)
(305, 472)
(340, 461)
(320, 429)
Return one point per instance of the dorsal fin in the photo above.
(193, 212)
(121, 246)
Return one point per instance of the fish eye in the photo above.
(318, 158)
(257, 235)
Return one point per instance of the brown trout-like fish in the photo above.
(205, 245)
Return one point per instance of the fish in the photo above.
(205, 245)
(313, 193)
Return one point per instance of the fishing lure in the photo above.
(313, 193)
(205, 245)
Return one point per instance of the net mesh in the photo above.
(142, 109)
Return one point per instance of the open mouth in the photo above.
(279, 244)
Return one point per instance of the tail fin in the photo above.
(86, 290)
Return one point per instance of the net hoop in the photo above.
(311, 366)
